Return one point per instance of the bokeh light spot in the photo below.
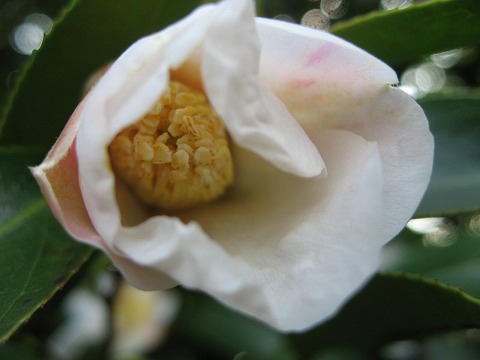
(284, 17)
(28, 36)
(447, 59)
(316, 19)
(334, 9)
(437, 231)
(423, 79)
(395, 4)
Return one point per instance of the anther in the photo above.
(177, 155)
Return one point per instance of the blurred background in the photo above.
(98, 316)
(23, 24)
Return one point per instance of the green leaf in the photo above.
(88, 36)
(393, 307)
(19, 351)
(455, 182)
(449, 253)
(204, 324)
(401, 36)
(36, 256)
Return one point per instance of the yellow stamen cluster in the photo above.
(177, 155)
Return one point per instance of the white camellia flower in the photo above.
(282, 219)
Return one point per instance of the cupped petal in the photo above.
(287, 250)
(133, 82)
(123, 95)
(328, 83)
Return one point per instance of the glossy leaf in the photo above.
(393, 307)
(89, 35)
(455, 182)
(36, 256)
(405, 35)
(449, 253)
(21, 351)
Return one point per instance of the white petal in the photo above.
(286, 250)
(405, 143)
(255, 118)
(328, 83)
(319, 73)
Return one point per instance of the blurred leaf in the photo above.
(462, 345)
(12, 14)
(218, 332)
(20, 351)
(464, 275)
(455, 182)
(339, 353)
(456, 262)
(89, 35)
(36, 256)
(401, 36)
(393, 307)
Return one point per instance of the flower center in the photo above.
(177, 155)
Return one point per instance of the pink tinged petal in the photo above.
(292, 260)
(57, 176)
(320, 55)
(58, 179)
(351, 91)
(344, 76)
(256, 119)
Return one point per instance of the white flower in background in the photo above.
(137, 322)
(259, 161)
(140, 320)
(85, 326)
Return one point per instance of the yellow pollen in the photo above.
(176, 156)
